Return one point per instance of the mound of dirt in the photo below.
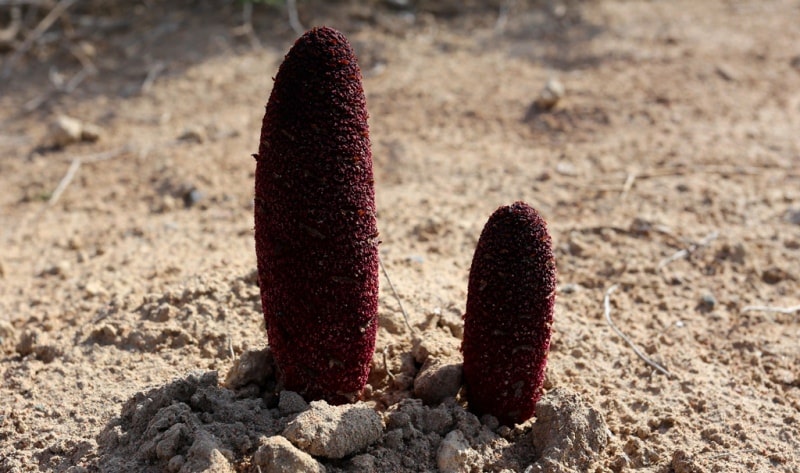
(196, 424)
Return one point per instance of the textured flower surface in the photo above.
(507, 325)
(315, 223)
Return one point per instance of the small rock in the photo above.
(67, 130)
(60, 269)
(566, 169)
(774, 275)
(569, 288)
(94, 289)
(278, 455)
(2, 270)
(552, 92)
(335, 431)
(290, 402)
(455, 454)
(192, 197)
(27, 342)
(724, 71)
(193, 135)
(437, 380)
(707, 303)
(253, 366)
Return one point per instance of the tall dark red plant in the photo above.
(315, 223)
(507, 325)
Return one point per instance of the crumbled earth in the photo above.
(658, 139)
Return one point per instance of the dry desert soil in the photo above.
(131, 334)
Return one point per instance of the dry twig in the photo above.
(628, 185)
(294, 17)
(651, 363)
(772, 310)
(61, 7)
(688, 251)
(386, 364)
(396, 295)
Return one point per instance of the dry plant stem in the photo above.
(772, 310)
(651, 363)
(396, 295)
(37, 32)
(152, 75)
(294, 17)
(74, 166)
(386, 364)
(688, 251)
(246, 28)
(626, 188)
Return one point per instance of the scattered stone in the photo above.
(289, 402)
(774, 275)
(566, 168)
(725, 71)
(437, 380)
(60, 269)
(95, 289)
(65, 131)
(550, 95)
(2, 270)
(455, 455)
(570, 288)
(193, 135)
(252, 367)
(192, 197)
(335, 431)
(27, 342)
(707, 303)
(277, 455)
(568, 433)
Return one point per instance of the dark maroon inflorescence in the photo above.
(315, 226)
(507, 325)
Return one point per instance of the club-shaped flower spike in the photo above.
(507, 325)
(315, 221)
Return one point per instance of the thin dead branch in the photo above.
(626, 188)
(651, 363)
(396, 295)
(246, 28)
(772, 310)
(386, 364)
(152, 74)
(688, 251)
(294, 17)
(53, 16)
(62, 185)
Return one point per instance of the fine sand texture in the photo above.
(660, 141)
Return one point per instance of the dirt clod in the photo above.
(334, 431)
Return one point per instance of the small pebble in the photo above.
(552, 92)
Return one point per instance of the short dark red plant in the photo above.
(507, 325)
(315, 226)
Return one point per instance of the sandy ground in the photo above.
(670, 168)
